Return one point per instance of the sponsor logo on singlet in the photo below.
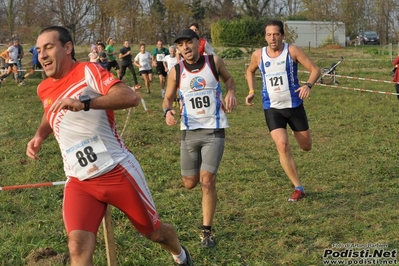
(47, 102)
(108, 81)
(197, 83)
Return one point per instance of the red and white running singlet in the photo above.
(89, 143)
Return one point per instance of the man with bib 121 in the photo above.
(283, 96)
(202, 122)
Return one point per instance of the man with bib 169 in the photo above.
(203, 120)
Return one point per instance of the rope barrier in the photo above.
(342, 76)
(365, 79)
(46, 184)
(126, 120)
(26, 70)
(355, 89)
(354, 78)
(349, 88)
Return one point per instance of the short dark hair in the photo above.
(278, 23)
(195, 25)
(102, 54)
(63, 36)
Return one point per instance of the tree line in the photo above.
(150, 20)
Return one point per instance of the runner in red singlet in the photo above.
(78, 101)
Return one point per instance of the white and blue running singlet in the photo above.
(280, 80)
(201, 99)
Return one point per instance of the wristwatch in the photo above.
(309, 85)
(165, 111)
(85, 99)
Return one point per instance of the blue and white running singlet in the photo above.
(280, 80)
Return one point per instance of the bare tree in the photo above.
(74, 15)
(255, 8)
(10, 15)
(284, 8)
(104, 21)
(386, 10)
(178, 16)
(148, 20)
(126, 22)
(220, 9)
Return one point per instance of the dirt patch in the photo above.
(333, 46)
(46, 257)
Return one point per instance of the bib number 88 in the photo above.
(88, 155)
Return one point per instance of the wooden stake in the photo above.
(109, 237)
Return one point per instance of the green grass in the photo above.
(351, 176)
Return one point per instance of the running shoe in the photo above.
(188, 261)
(207, 239)
(297, 195)
(138, 86)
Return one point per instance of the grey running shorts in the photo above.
(201, 149)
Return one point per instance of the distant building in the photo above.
(316, 33)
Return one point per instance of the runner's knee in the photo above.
(162, 234)
(306, 146)
(190, 182)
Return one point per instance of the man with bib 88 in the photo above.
(78, 100)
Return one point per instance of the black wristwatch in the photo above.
(165, 111)
(309, 85)
(85, 99)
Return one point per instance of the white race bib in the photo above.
(200, 103)
(277, 82)
(160, 57)
(88, 157)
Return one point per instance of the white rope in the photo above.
(127, 119)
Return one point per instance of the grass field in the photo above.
(351, 176)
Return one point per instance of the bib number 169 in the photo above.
(199, 102)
